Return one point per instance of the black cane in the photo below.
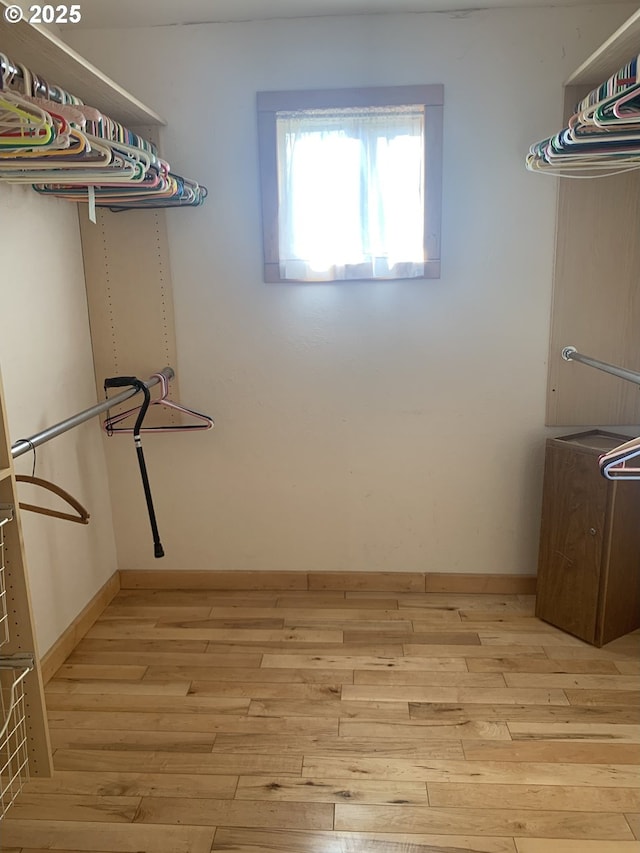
(117, 382)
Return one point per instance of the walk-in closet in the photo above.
(320, 427)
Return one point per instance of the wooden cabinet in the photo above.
(589, 558)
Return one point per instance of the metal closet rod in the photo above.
(54, 93)
(24, 445)
(571, 354)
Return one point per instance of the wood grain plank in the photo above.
(118, 610)
(555, 638)
(352, 662)
(98, 837)
(232, 840)
(322, 599)
(573, 714)
(529, 664)
(429, 678)
(480, 583)
(122, 688)
(381, 648)
(537, 797)
(95, 673)
(384, 628)
(288, 789)
(493, 602)
(461, 695)
(72, 807)
(87, 646)
(336, 746)
(289, 675)
(341, 615)
(551, 824)
(194, 597)
(199, 722)
(494, 772)
(211, 580)
(372, 710)
(138, 784)
(592, 732)
(246, 813)
(173, 741)
(262, 690)
(250, 659)
(483, 651)
(552, 752)
(94, 761)
(148, 703)
(378, 581)
(250, 623)
(104, 631)
(515, 623)
(572, 682)
(500, 615)
(436, 730)
(564, 845)
(604, 697)
(449, 638)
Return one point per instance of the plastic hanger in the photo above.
(80, 154)
(82, 516)
(203, 421)
(22, 124)
(613, 465)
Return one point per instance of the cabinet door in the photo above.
(620, 592)
(571, 541)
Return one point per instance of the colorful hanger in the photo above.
(602, 137)
(80, 154)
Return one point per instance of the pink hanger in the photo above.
(204, 421)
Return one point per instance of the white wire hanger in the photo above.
(614, 465)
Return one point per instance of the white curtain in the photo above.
(351, 194)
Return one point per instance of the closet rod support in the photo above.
(24, 445)
(571, 354)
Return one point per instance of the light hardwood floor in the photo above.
(336, 722)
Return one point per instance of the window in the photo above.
(351, 183)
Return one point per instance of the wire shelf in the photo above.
(14, 758)
(6, 515)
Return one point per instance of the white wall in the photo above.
(47, 370)
(360, 426)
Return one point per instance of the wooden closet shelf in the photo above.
(44, 53)
(4, 473)
(611, 56)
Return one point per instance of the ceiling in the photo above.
(144, 13)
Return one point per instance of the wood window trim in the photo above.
(431, 96)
